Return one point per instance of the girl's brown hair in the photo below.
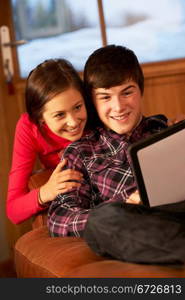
(48, 79)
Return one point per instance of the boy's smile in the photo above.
(119, 107)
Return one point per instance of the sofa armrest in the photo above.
(39, 178)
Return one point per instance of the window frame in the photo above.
(150, 69)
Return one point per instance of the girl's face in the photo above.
(66, 115)
(119, 107)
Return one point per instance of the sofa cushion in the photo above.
(39, 255)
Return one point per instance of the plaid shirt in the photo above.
(103, 159)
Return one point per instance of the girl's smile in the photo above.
(65, 114)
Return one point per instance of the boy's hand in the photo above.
(134, 198)
(177, 119)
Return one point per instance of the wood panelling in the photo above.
(20, 91)
(11, 106)
(165, 95)
(9, 114)
(164, 88)
(7, 269)
(164, 68)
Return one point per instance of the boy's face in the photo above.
(119, 107)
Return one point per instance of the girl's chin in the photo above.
(74, 137)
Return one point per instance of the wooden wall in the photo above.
(164, 88)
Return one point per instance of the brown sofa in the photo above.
(38, 255)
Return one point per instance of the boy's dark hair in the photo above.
(112, 65)
(107, 67)
(48, 79)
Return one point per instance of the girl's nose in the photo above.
(72, 121)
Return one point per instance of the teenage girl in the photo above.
(55, 116)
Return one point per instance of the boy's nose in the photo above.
(117, 105)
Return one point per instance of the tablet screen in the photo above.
(159, 166)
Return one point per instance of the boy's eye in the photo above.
(104, 98)
(127, 93)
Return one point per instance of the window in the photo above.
(155, 30)
(56, 28)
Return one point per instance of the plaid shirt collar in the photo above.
(147, 124)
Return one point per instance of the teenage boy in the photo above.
(114, 84)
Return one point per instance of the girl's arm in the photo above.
(22, 203)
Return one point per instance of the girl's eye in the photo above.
(78, 107)
(59, 115)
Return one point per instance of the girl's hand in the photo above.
(134, 198)
(59, 183)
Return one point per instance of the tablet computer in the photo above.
(159, 166)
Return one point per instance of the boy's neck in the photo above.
(139, 121)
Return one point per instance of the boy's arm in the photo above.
(69, 212)
(67, 219)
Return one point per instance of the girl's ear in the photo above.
(41, 122)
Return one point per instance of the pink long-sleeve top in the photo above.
(29, 143)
